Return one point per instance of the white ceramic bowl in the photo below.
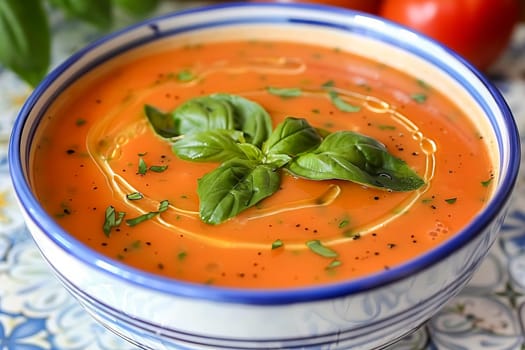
(159, 313)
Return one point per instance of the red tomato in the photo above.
(479, 30)
(370, 6)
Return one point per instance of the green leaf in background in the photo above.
(233, 187)
(24, 39)
(137, 8)
(347, 155)
(96, 12)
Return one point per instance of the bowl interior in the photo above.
(362, 34)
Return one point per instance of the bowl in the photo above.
(366, 312)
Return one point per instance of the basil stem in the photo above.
(347, 155)
(233, 187)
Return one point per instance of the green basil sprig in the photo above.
(25, 38)
(236, 132)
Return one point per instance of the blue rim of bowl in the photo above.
(264, 296)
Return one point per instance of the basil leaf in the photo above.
(233, 187)
(216, 111)
(210, 146)
(204, 113)
(277, 244)
(25, 39)
(97, 12)
(346, 155)
(277, 160)
(142, 168)
(135, 196)
(284, 92)
(163, 206)
(158, 168)
(112, 218)
(162, 123)
(251, 152)
(318, 248)
(139, 219)
(250, 118)
(137, 7)
(291, 137)
(341, 104)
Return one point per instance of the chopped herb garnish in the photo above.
(80, 122)
(341, 104)
(419, 97)
(487, 182)
(142, 168)
(182, 255)
(134, 196)
(318, 248)
(158, 168)
(144, 217)
(277, 244)
(343, 223)
(185, 75)
(333, 264)
(451, 200)
(284, 92)
(328, 84)
(423, 84)
(112, 219)
(387, 127)
(164, 205)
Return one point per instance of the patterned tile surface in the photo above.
(37, 313)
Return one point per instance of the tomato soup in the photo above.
(97, 158)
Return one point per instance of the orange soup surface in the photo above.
(96, 150)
